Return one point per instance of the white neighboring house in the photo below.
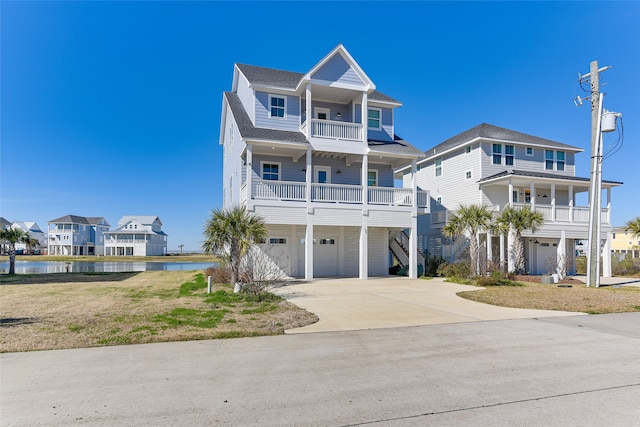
(136, 236)
(314, 155)
(499, 167)
(34, 231)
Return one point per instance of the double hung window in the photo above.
(497, 154)
(438, 166)
(271, 171)
(277, 106)
(374, 116)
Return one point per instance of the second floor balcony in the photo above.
(288, 191)
(334, 129)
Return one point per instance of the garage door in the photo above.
(325, 257)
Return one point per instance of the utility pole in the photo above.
(595, 189)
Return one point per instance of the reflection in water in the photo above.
(39, 267)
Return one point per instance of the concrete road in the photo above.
(564, 371)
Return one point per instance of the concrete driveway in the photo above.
(390, 302)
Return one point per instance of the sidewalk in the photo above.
(613, 281)
(390, 302)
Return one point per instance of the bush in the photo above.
(432, 264)
(497, 278)
(219, 275)
(456, 270)
(625, 267)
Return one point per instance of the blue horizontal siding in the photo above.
(292, 114)
(337, 70)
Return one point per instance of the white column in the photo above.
(309, 110)
(561, 255)
(553, 202)
(608, 205)
(309, 175)
(571, 202)
(413, 232)
(502, 251)
(489, 249)
(511, 253)
(532, 193)
(308, 249)
(364, 242)
(365, 115)
(510, 193)
(606, 257)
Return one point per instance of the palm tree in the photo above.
(470, 220)
(11, 236)
(518, 220)
(633, 225)
(232, 232)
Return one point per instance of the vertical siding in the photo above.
(338, 70)
(290, 122)
(378, 251)
(245, 94)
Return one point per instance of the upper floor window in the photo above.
(560, 160)
(509, 155)
(372, 178)
(528, 151)
(497, 154)
(374, 116)
(467, 149)
(438, 166)
(271, 171)
(549, 160)
(467, 175)
(277, 106)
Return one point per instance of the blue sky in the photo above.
(113, 108)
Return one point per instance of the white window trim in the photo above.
(317, 110)
(493, 153)
(468, 149)
(470, 172)
(317, 169)
(439, 201)
(435, 167)
(262, 163)
(377, 184)
(555, 161)
(269, 107)
(379, 119)
(532, 151)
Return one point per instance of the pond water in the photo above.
(39, 267)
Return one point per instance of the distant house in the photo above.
(136, 236)
(623, 243)
(34, 232)
(4, 224)
(77, 235)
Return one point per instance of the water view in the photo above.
(40, 267)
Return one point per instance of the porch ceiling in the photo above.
(334, 94)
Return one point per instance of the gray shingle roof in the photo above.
(289, 80)
(249, 131)
(397, 146)
(542, 175)
(486, 130)
(76, 219)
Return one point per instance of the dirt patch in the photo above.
(538, 279)
(135, 308)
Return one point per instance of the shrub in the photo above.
(625, 267)
(432, 264)
(219, 274)
(459, 270)
(497, 278)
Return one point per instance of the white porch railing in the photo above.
(340, 193)
(390, 196)
(335, 129)
(576, 214)
(278, 190)
(335, 193)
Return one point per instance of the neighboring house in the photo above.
(4, 224)
(77, 235)
(34, 232)
(500, 167)
(623, 243)
(314, 155)
(136, 236)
